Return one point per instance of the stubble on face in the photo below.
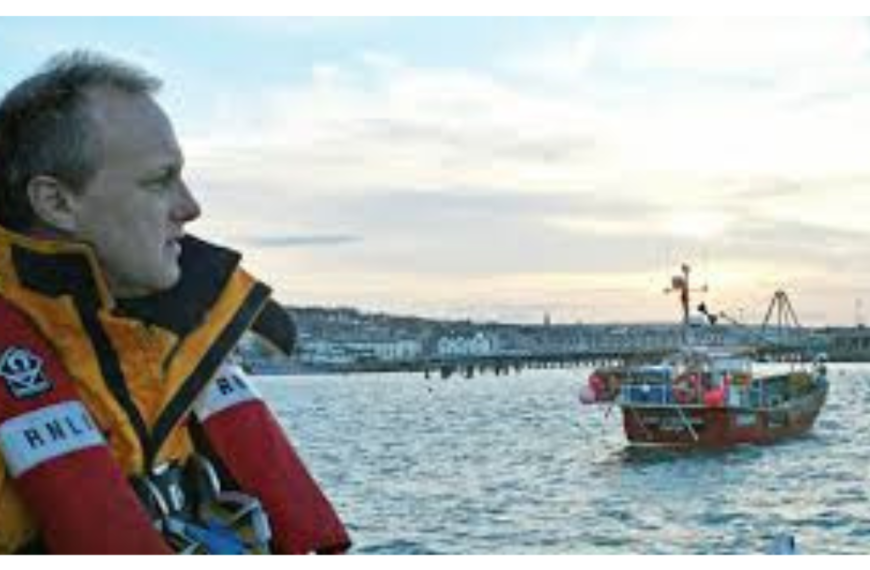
(129, 211)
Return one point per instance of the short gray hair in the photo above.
(45, 128)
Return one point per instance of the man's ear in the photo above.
(52, 202)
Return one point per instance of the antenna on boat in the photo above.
(681, 284)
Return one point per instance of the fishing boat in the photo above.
(711, 396)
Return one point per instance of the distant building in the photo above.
(480, 344)
(341, 353)
(397, 351)
(321, 352)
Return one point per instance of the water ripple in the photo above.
(511, 465)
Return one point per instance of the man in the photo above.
(124, 425)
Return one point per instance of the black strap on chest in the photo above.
(207, 367)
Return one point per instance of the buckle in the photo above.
(162, 490)
(168, 478)
(208, 519)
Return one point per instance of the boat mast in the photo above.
(680, 284)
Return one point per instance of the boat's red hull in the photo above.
(668, 425)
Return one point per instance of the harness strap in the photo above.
(181, 403)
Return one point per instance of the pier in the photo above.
(630, 350)
(347, 341)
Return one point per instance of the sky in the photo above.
(508, 168)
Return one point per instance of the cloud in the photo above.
(749, 53)
(744, 97)
(417, 127)
(499, 143)
(635, 110)
(746, 49)
(644, 144)
(279, 241)
(292, 27)
(473, 232)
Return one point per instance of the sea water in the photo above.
(513, 464)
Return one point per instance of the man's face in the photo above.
(134, 209)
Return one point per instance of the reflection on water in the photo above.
(513, 465)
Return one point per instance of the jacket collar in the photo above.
(55, 268)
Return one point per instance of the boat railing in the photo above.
(756, 395)
(753, 396)
(658, 393)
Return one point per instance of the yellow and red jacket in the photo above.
(135, 368)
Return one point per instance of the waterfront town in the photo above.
(349, 340)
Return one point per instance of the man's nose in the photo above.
(186, 208)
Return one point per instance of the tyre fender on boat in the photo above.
(687, 388)
(595, 388)
(587, 396)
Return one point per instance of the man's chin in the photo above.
(171, 279)
(156, 284)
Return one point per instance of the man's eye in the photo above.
(162, 183)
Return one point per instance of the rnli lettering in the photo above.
(33, 438)
(58, 430)
(228, 385)
(45, 434)
(22, 372)
(229, 388)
